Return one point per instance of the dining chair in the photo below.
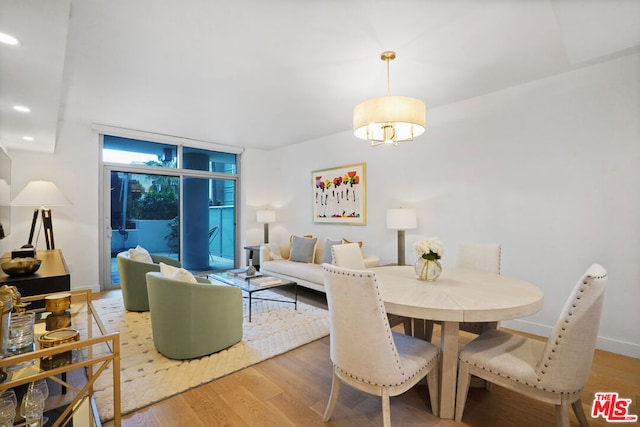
(476, 256)
(349, 255)
(553, 372)
(365, 352)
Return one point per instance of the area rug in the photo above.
(148, 377)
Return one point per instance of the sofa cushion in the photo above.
(274, 248)
(309, 272)
(140, 254)
(346, 242)
(327, 258)
(303, 249)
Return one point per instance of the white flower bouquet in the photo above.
(430, 249)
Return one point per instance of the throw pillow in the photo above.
(167, 270)
(326, 257)
(140, 254)
(346, 242)
(184, 276)
(177, 273)
(274, 248)
(303, 249)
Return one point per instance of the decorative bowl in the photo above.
(21, 266)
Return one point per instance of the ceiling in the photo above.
(266, 74)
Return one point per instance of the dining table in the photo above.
(458, 295)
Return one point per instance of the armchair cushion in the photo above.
(177, 273)
(140, 254)
(190, 320)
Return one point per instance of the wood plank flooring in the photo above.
(292, 390)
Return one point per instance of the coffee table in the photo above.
(255, 284)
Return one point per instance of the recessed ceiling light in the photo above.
(22, 108)
(28, 138)
(6, 38)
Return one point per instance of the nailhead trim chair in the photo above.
(365, 353)
(349, 255)
(553, 372)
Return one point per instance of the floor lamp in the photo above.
(42, 194)
(266, 216)
(401, 220)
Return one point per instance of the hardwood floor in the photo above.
(292, 390)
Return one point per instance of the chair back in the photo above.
(361, 343)
(567, 357)
(480, 256)
(348, 255)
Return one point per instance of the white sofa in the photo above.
(304, 274)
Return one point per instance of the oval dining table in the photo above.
(458, 295)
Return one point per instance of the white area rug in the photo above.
(148, 377)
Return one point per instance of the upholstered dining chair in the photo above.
(132, 279)
(365, 353)
(476, 256)
(553, 372)
(190, 320)
(349, 255)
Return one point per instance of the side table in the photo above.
(52, 276)
(250, 251)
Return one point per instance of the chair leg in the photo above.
(408, 328)
(579, 411)
(434, 392)
(428, 330)
(386, 408)
(562, 413)
(335, 390)
(464, 378)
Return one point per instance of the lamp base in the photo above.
(401, 260)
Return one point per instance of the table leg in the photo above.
(250, 307)
(449, 347)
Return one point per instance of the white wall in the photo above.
(548, 169)
(74, 168)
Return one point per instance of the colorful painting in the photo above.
(339, 195)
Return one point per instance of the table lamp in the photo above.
(266, 216)
(401, 220)
(42, 194)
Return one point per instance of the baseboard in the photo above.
(606, 344)
(93, 288)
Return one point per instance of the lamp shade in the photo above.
(40, 193)
(266, 216)
(401, 219)
(389, 119)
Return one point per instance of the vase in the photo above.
(427, 269)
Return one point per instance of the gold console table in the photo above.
(75, 366)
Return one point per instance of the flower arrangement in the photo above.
(430, 249)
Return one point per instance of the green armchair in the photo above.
(133, 282)
(190, 320)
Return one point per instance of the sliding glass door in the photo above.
(174, 201)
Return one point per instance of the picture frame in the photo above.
(339, 195)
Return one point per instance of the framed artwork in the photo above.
(339, 195)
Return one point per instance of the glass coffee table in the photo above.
(255, 284)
